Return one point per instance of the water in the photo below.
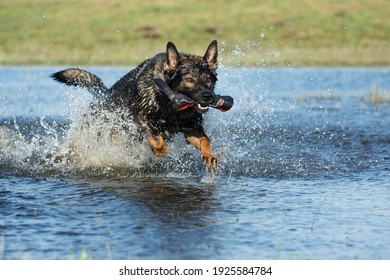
(304, 172)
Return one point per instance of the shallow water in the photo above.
(304, 172)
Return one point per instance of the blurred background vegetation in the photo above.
(249, 32)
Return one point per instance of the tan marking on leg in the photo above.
(158, 146)
(204, 145)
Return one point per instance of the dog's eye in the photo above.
(208, 80)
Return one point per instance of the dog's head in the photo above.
(193, 76)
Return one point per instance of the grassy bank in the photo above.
(250, 32)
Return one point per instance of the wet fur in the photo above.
(137, 93)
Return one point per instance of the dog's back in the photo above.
(137, 90)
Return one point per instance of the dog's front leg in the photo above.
(156, 142)
(202, 142)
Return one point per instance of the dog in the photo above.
(141, 98)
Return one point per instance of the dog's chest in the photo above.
(174, 122)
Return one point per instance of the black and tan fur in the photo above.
(139, 96)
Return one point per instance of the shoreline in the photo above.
(289, 57)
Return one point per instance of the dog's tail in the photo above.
(81, 78)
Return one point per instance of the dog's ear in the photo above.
(211, 56)
(173, 57)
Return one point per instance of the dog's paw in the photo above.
(158, 146)
(209, 160)
(160, 152)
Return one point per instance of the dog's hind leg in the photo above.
(202, 142)
(156, 142)
(158, 145)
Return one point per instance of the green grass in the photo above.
(250, 32)
(378, 97)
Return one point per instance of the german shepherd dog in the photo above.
(142, 100)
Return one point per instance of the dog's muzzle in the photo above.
(182, 102)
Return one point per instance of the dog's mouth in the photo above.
(182, 102)
(201, 108)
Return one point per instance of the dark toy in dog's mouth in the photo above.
(181, 102)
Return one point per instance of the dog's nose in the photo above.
(207, 96)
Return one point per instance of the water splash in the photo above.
(101, 144)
